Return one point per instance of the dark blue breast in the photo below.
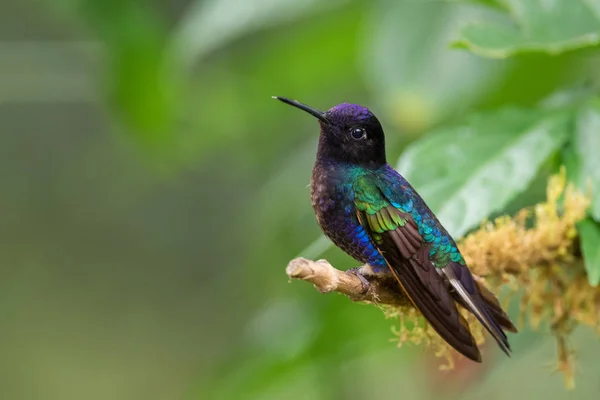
(333, 201)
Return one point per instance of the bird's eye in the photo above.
(358, 133)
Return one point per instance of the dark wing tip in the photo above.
(494, 308)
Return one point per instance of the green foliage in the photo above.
(589, 232)
(582, 157)
(470, 170)
(555, 27)
(535, 26)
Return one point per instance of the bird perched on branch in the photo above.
(372, 213)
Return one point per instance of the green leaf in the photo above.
(582, 158)
(589, 233)
(469, 171)
(550, 26)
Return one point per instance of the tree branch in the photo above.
(358, 284)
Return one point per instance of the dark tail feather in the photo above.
(492, 306)
(494, 325)
(482, 303)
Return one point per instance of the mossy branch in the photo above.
(541, 261)
(373, 288)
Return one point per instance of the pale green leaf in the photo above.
(550, 26)
(583, 161)
(469, 171)
(589, 233)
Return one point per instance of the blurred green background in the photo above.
(153, 193)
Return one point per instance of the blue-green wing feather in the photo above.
(446, 256)
(397, 237)
(426, 261)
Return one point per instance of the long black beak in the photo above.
(315, 113)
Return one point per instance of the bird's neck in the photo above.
(340, 170)
(332, 155)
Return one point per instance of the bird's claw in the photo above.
(365, 283)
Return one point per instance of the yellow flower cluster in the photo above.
(534, 254)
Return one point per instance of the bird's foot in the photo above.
(365, 283)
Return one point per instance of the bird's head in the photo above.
(349, 133)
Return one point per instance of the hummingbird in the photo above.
(371, 212)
